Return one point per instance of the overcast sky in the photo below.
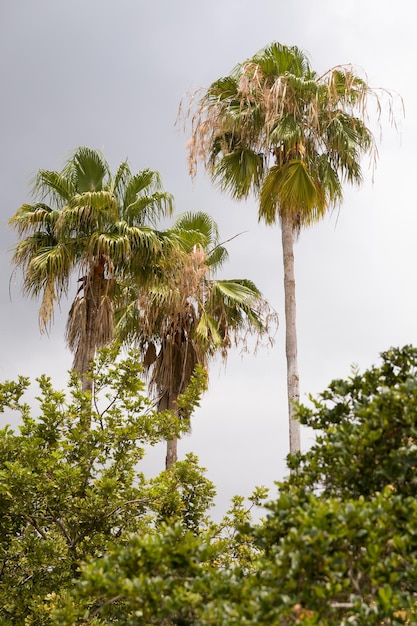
(110, 75)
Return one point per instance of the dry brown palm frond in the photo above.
(46, 310)
(176, 295)
(75, 332)
(76, 322)
(150, 355)
(174, 366)
(104, 327)
(93, 309)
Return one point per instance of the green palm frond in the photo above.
(346, 138)
(239, 172)
(291, 188)
(55, 186)
(143, 198)
(200, 222)
(207, 331)
(241, 304)
(49, 263)
(278, 59)
(330, 180)
(217, 257)
(145, 180)
(239, 290)
(196, 229)
(224, 88)
(128, 318)
(114, 245)
(149, 208)
(30, 218)
(144, 238)
(92, 207)
(87, 213)
(28, 248)
(119, 182)
(88, 170)
(287, 133)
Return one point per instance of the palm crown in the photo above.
(85, 219)
(275, 127)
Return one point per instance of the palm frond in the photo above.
(114, 245)
(198, 222)
(217, 257)
(104, 328)
(223, 88)
(207, 331)
(277, 59)
(239, 290)
(143, 198)
(90, 210)
(32, 218)
(149, 208)
(49, 263)
(88, 170)
(55, 186)
(196, 229)
(145, 180)
(118, 183)
(239, 172)
(46, 309)
(291, 188)
(330, 180)
(143, 240)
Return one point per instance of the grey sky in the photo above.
(110, 75)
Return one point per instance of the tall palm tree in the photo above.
(85, 219)
(189, 316)
(276, 128)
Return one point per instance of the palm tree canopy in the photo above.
(188, 316)
(86, 220)
(276, 128)
(84, 214)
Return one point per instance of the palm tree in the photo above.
(188, 316)
(276, 128)
(86, 220)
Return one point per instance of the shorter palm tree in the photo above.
(188, 317)
(100, 225)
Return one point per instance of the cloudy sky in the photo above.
(110, 75)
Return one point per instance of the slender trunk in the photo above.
(172, 452)
(88, 354)
(89, 346)
(293, 382)
(93, 292)
(168, 402)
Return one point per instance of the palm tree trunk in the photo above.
(293, 381)
(93, 292)
(88, 349)
(172, 452)
(168, 402)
